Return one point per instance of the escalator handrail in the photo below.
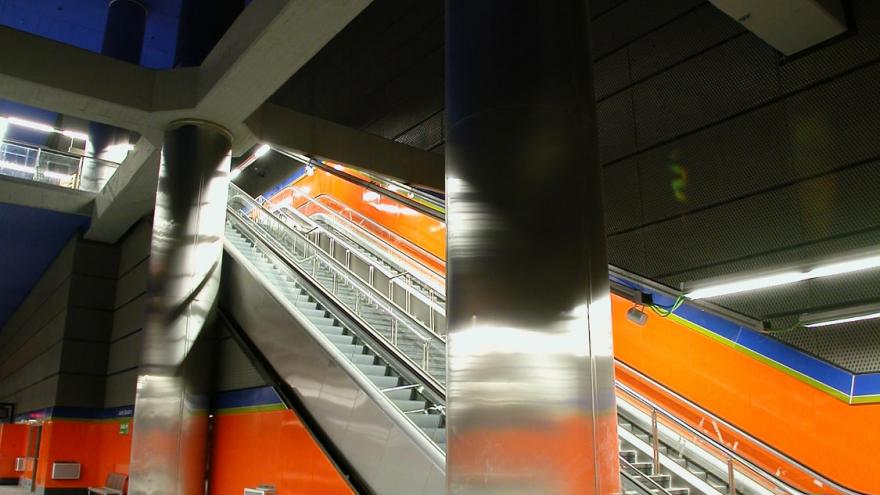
(702, 436)
(343, 270)
(372, 390)
(426, 378)
(391, 273)
(316, 200)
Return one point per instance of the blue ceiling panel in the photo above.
(30, 239)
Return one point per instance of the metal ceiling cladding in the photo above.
(531, 404)
(168, 445)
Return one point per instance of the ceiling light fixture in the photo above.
(840, 316)
(31, 125)
(850, 265)
(262, 150)
(76, 135)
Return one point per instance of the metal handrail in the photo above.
(730, 453)
(635, 482)
(370, 389)
(629, 465)
(315, 201)
(392, 274)
(337, 267)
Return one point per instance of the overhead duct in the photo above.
(788, 25)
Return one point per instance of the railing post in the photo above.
(371, 276)
(425, 356)
(394, 332)
(731, 477)
(655, 441)
(348, 259)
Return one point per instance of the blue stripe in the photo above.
(62, 412)
(262, 396)
(772, 349)
(868, 384)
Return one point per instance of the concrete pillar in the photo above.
(202, 24)
(531, 405)
(123, 40)
(171, 407)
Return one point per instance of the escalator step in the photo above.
(372, 370)
(410, 405)
(351, 349)
(365, 359)
(341, 339)
(330, 329)
(385, 381)
(438, 435)
(423, 420)
(405, 394)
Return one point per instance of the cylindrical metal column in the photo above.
(170, 418)
(123, 40)
(202, 24)
(530, 387)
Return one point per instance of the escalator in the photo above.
(372, 372)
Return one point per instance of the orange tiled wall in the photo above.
(97, 445)
(250, 448)
(12, 445)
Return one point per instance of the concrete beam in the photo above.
(36, 195)
(311, 136)
(128, 196)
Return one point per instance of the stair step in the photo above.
(341, 339)
(373, 369)
(410, 405)
(423, 420)
(385, 381)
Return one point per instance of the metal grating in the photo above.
(614, 117)
(622, 190)
(611, 74)
(854, 347)
(632, 19)
(733, 77)
(698, 30)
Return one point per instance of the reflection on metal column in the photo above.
(168, 440)
(530, 386)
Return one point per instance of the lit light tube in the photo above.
(262, 150)
(840, 316)
(829, 269)
(31, 125)
(76, 135)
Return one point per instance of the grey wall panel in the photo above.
(89, 324)
(737, 75)
(727, 161)
(684, 37)
(622, 189)
(829, 127)
(54, 305)
(99, 260)
(616, 129)
(627, 250)
(132, 284)
(129, 317)
(426, 134)
(81, 357)
(632, 19)
(124, 353)
(92, 292)
(38, 396)
(841, 56)
(35, 371)
(234, 369)
(120, 389)
(611, 73)
(135, 247)
(14, 358)
(80, 390)
(48, 285)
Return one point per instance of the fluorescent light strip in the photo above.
(76, 135)
(784, 278)
(262, 150)
(31, 125)
(838, 321)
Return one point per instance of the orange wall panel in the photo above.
(273, 447)
(97, 445)
(13, 438)
(812, 426)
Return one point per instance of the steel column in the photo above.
(530, 388)
(171, 408)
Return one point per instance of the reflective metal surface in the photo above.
(388, 452)
(169, 442)
(531, 402)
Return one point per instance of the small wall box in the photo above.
(65, 470)
(261, 490)
(20, 464)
